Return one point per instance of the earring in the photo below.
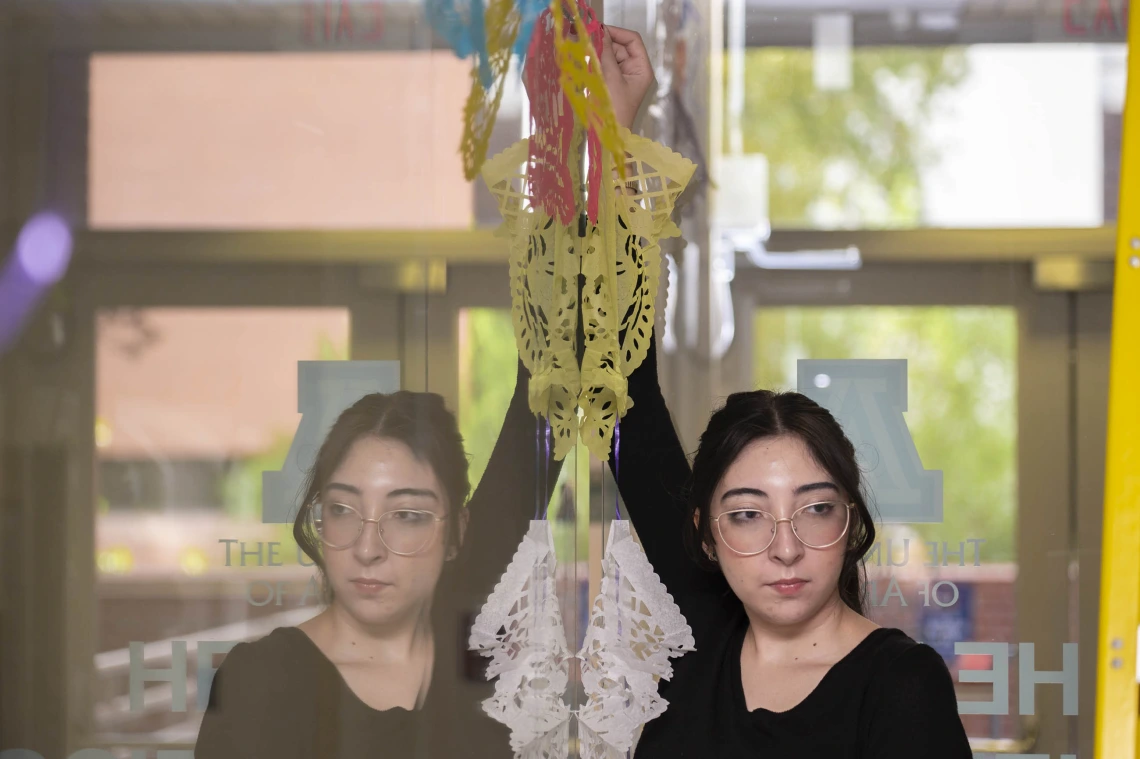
(711, 554)
(452, 553)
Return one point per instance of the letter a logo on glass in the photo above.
(324, 390)
(868, 397)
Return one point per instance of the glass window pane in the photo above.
(192, 407)
(277, 141)
(953, 580)
(976, 136)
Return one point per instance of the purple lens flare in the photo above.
(39, 260)
(43, 248)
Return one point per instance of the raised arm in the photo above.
(652, 471)
(517, 478)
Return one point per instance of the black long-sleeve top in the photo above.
(280, 697)
(890, 698)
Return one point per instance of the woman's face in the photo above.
(789, 583)
(372, 583)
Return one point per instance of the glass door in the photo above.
(975, 401)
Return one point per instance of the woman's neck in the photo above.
(821, 635)
(397, 641)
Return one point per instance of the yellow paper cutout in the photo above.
(580, 74)
(621, 265)
(544, 268)
(482, 107)
(619, 261)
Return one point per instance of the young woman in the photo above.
(786, 665)
(378, 673)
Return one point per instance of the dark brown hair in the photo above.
(751, 416)
(419, 421)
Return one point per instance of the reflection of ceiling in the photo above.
(771, 22)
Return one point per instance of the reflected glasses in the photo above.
(404, 532)
(751, 531)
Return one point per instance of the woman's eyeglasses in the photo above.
(751, 531)
(404, 532)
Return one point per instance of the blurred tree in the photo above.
(845, 158)
(487, 363)
(329, 349)
(961, 380)
(241, 490)
(241, 484)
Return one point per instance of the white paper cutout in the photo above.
(520, 629)
(591, 745)
(635, 629)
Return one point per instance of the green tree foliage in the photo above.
(241, 485)
(853, 158)
(329, 349)
(961, 378)
(487, 364)
(241, 490)
(845, 158)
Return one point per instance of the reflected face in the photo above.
(788, 583)
(382, 479)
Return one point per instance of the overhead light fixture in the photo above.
(741, 215)
(752, 243)
(831, 41)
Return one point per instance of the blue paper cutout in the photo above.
(462, 26)
(529, 11)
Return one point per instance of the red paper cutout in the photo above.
(549, 174)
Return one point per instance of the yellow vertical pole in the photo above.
(1117, 703)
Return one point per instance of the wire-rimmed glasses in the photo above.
(404, 532)
(750, 531)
